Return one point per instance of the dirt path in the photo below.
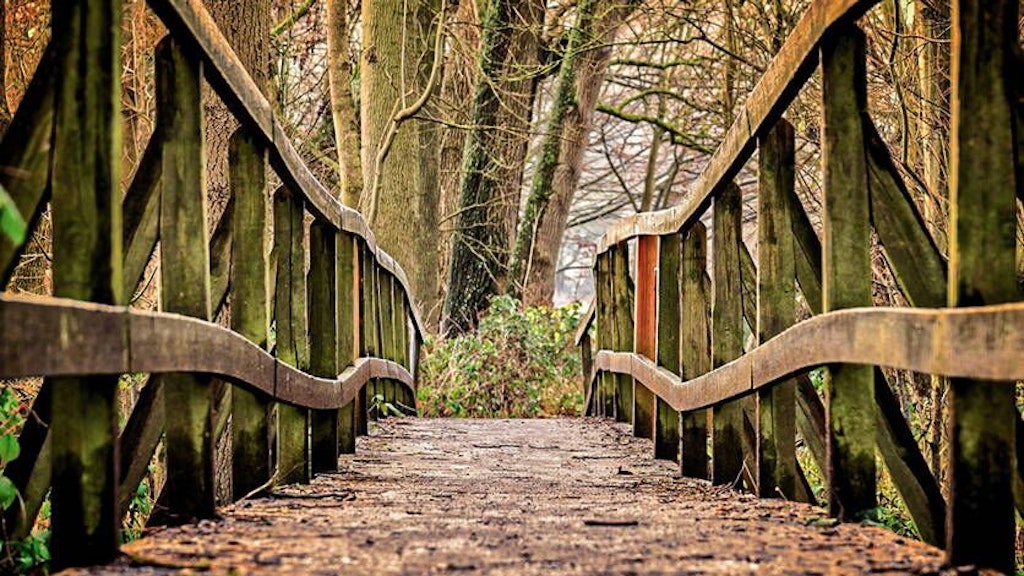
(518, 497)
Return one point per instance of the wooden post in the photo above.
(364, 330)
(846, 272)
(185, 280)
(86, 266)
(622, 296)
(776, 311)
(666, 434)
(727, 439)
(982, 271)
(371, 333)
(645, 326)
(605, 320)
(251, 466)
(695, 346)
(292, 345)
(348, 330)
(323, 339)
(385, 321)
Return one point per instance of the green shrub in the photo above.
(520, 363)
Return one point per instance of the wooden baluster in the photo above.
(385, 318)
(645, 326)
(371, 331)
(982, 271)
(666, 435)
(695, 346)
(251, 466)
(846, 272)
(290, 319)
(776, 311)
(185, 281)
(605, 332)
(404, 323)
(727, 439)
(86, 266)
(622, 298)
(348, 331)
(366, 330)
(323, 339)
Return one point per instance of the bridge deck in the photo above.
(514, 497)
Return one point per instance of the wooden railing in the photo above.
(297, 385)
(669, 339)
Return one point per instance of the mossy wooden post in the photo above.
(364, 320)
(727, 438)
(250, 411)
(292, 346)
(348, 331)
(666, 433)
(605, 321)
(695, 346)
(323, 339)
(86, 266)
(623, 313)
(776, 311)
(846, 269)
(645, 330)
(185, 279)
(982, 271)
(370, 329)
(403, 320)
(386, 321)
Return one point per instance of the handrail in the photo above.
(984, 342)
(190, 23)
(779, 85)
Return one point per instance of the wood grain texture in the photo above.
(645, 326)
(669, 322)
(695, 346)
(622, 312)
(727, 327)
(323, 338)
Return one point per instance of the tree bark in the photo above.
(343, 105)
(5, 109)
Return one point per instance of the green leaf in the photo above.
(12, 224)
(9, 448)
(8, 493)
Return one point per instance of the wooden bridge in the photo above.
(666, 352)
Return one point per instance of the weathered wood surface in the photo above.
(532, 497)
(985, 342)
(781, 82)
(323, 336)
(622, 295)
(669, 326)
(645, 330)
(695, 338)
(727, 330)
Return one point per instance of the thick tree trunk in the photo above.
(395, 45)
(343, 105)
(539, 239)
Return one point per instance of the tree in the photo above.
(343, 105)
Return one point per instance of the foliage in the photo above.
(520, 363)
(379, 405)
(30, 554)
(12, 225)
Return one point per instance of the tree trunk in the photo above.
(343, 105)
(539, 239)
(5, 109)
(405, 219)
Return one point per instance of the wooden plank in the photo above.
(916, 262)
(622, 297)
(251, 411)
(666, 438)
(386, 333)
(86, 266)
(185, 279)
(982, 270)
(292, 348)
(695, 346)
(141, 214)
(727, 419)
(776, 469)
(645, 330)
(605, 334)
(808, 255)
(323, 338)
(26, 155)
(348, 330)
(364, 329)
(30, 472)
(781, 82)
(370, 319)
(140, 437)
(846, 277)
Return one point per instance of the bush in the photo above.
(520, 363)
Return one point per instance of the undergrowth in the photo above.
(520, 363)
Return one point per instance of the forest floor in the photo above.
(567, 496)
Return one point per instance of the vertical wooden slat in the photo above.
(622, 298)
(370, 327)
(727, 438)
(323, 339)
(666, 435)
(385, 320)
(251, 467)
(290, 320)
(348, 330)
(605, 334)
(983, 227)
(185, 280)
(846, 272)
(365, 330)
(645, 325)
(695, 346)
(86, 266)
(776, 311)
